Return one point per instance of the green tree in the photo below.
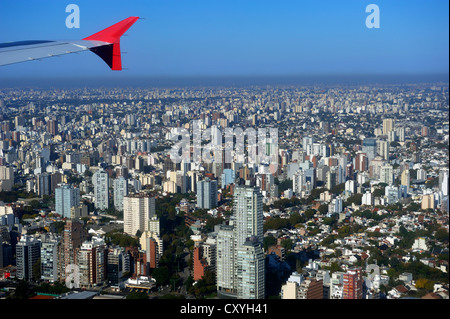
(269, 241)
(323, 209)
(161, 275)
(441, 235)
(423, 283)
(309, 213)
(287, 244)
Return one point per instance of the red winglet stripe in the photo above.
(113, 33)
(116, 59)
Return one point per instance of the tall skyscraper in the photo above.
(28, 253)
(66, 197)
(239, 253)
(207, 194)
(369, 147)
(152, 245)
(6, 178)
(44, 184)
(247, 206)
(405, 179)
(49, 258)
(118, 264)
(443, 181)
(250, 270)
(138, 209)
(91, 260)
(120, 191)
(73, 236)
(388, 125)
(361, 162)
(299, 182)
(52, 127)
(100, 179)
(225, 262)
(383, 149)
(228, 177)
(387, 174)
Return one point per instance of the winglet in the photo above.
(111, 53)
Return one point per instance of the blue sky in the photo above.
(238, 37)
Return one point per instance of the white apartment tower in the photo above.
(138, 209)
(120, 191)
(100, 179)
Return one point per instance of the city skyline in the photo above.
(248, 150)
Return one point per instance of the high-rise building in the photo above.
(400, 131)
(49, 258)
(52, 127)
(335, 207)
(388, 125)
(6, 178)
(443, 181)
(299, 182)
(66, 197)
(154, 225)
(405, 179)
(383, 149)
(28, 253)
(247, 206)
(361, 162)
(353, 284)
(92, 261)
(44, 184)
(392, 194)
(120, 191)
(79, 211)
(367, 199)
(239, 253)
(228, 177)
(100, 180)
(427, 202)
(152, 244)
(73, 236)
(138, 209)
(250, 270)
(421, 174)
(369, 147)
(209, 251)
(308, 144)
(207, 194)
(225, 262)
(387, 174)
(117, 265)
(331, 178)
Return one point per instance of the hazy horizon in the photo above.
(222, 80)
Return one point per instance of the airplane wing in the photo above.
(106, 44)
